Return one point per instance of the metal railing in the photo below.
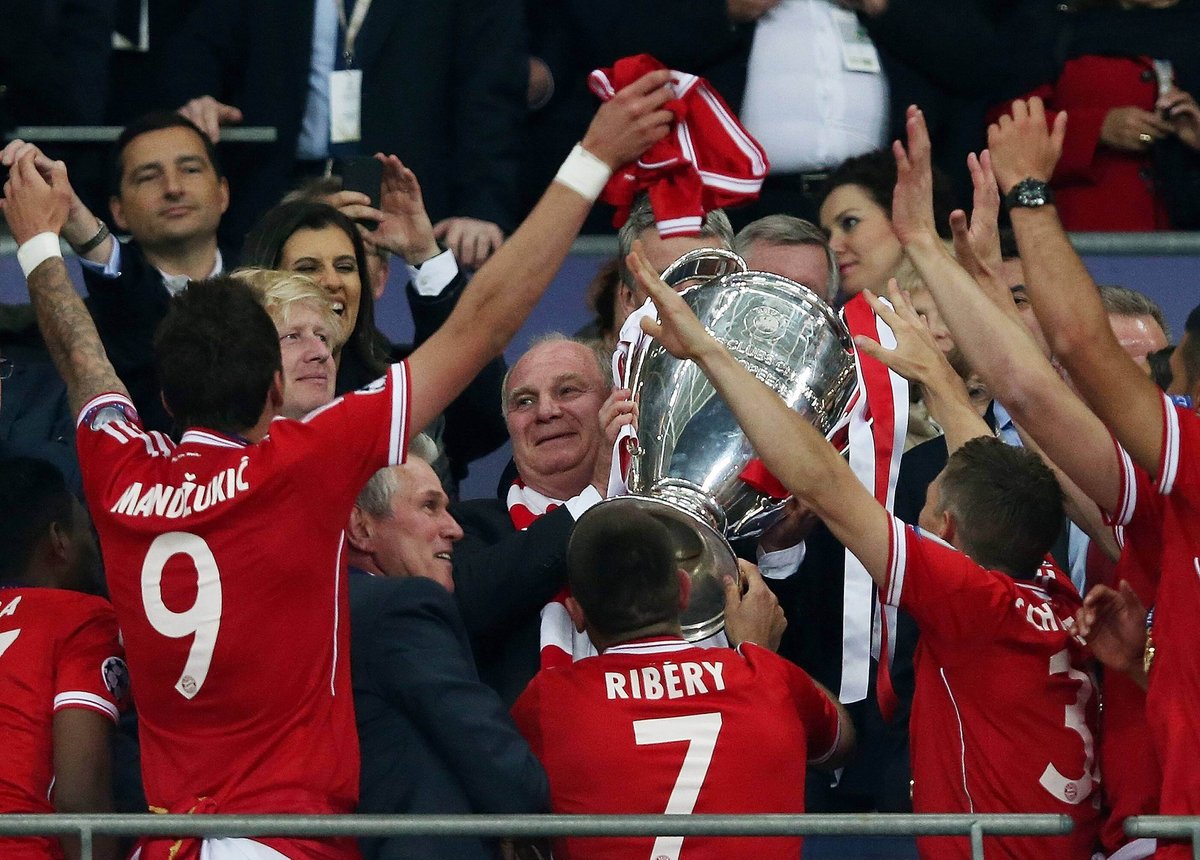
(1166, 827)
(109, 133)
(87, 827)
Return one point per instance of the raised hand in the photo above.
(472, 240)
(35, 204)
(752, 614)
(630, 122)
(977, 241)
(916, 355)
(209, 115)
(81, 224)
(402, 224)
(912, 200)
(677, 328)
(792, 528)
(618, 411)
(1023, 145)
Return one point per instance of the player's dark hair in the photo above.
(1007, 503)
(217, 353)
(621, 569)
(155, 121)
(875, 173)
(33, 495)
(264, 248)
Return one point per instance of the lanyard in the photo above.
(351, 28)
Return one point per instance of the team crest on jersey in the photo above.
(116, 677)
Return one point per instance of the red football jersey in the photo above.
(1173, 700)
(58, 649)
(659, 726)
(1132, 777)
(1004, 711)
(226, 563)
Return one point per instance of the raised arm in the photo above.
(994, 341)
(36, 210)
(795, 452)
(1065, 297)
(502, 293)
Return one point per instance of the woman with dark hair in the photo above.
(856, 213)
(317, 240)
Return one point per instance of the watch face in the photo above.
(1031, 193)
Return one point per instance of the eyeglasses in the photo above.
(6, 368)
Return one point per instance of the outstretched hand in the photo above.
(916, 355)
(912, 201)
(630, 122)
(1023, 145)
(677, 328)
(34, 203)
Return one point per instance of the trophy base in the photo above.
(701, 551)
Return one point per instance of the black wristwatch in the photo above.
(1029, 193)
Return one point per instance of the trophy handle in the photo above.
(702, 265)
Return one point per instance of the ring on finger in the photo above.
(1145, 138)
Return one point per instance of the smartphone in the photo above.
(361, 173)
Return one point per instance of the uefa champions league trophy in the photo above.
(689, 468)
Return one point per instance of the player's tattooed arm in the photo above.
(70, 335)
(37, 201)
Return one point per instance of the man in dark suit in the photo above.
(168, 193)
(434, 738)
(443, 86)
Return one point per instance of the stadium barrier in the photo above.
(86, 827)
(1166, 827)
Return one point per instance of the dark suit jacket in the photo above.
(127, 311)
(35, 419)
(503, 578)
(434, 739)
(443, 88)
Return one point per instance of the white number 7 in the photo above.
(700, 731)
(203, 618)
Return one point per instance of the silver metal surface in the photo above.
(691, 453)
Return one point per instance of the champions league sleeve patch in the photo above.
(116, 678)
(108, 411)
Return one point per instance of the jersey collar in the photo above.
(214, 438)
(651, 645)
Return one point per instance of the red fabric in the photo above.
(758, 476)
(55, 648)
(233, 603)
(979, 744)
(636, 727)
(707, 161)
(1162, 525)
(1097, 188)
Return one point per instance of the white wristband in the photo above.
(584, 173)
(33, 252)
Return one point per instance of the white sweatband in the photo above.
(33, 252)
(584, 173)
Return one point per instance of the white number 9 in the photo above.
(202, 619)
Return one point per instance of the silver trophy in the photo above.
(687, 467)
